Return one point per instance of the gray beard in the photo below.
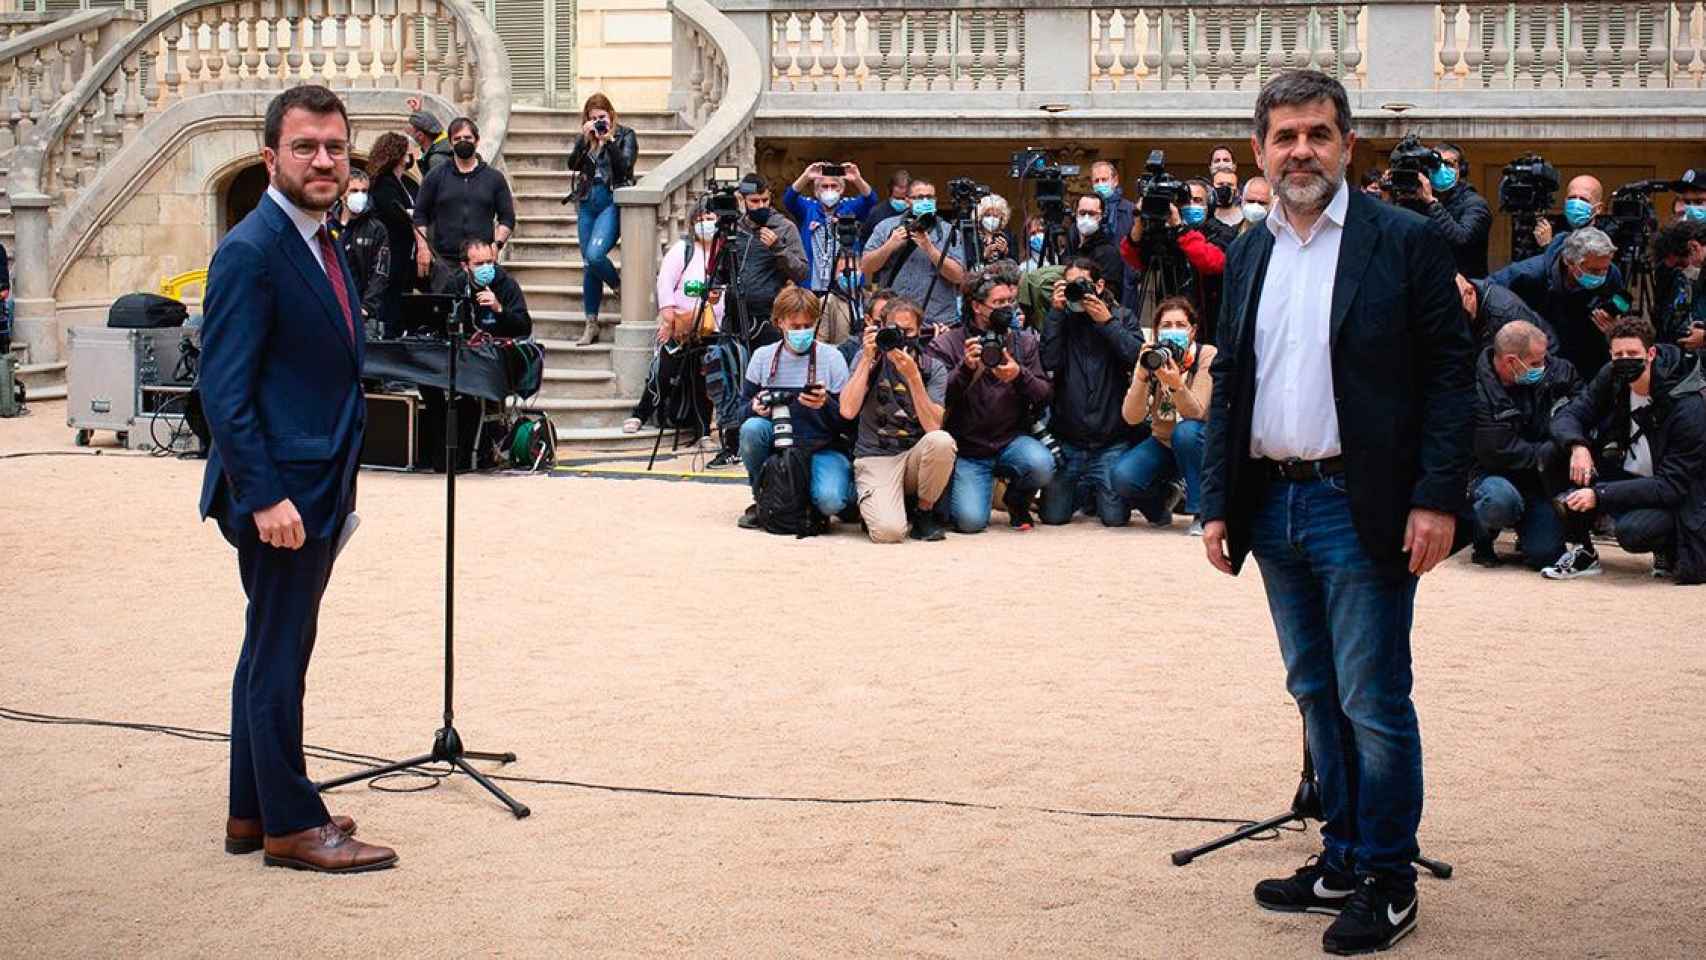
(1311, 199)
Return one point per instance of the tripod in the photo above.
(447, 743)
(1305, 805)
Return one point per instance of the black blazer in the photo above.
(1403, 380)
(392, 198)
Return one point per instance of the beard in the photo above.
(312, 191)
(1313, 194)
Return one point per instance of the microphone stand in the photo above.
(447, 743)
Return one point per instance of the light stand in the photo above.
(447, 743)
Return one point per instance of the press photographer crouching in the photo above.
(1572, 286)
(996, 386)
(1519, 467)
(1637, 440)
(902, 458)
(1681, 247)
(1171, 388)
(768, 255)
(1089, 346)
(793, 390)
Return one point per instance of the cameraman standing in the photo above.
(909, 253)
(1563, 285)
(1584, 203)
(768, 255)
(1207, 263)
(1458, 211)
(996, 385)
(1089, 346)
(817, 214)
(1096, 241)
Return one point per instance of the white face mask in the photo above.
(829, 198)
(992, 224)
(1087, 226)
(705, 229)
(1255, 212)
(356, 201)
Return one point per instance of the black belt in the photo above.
(1301, 471)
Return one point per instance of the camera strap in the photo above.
(776, 363)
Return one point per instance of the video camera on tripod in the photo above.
(1526, 188)
(1035, 164)
(1161, 192)
(1411, 160)
(1633, 224)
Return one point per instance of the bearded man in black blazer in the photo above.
(1338, 452)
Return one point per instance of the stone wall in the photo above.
(623, 50)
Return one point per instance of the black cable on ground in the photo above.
(433, 777)
(51, 453)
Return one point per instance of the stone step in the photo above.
(547, 273)
(565, 299)
(574, 440)
(564, 326)
(577, 385)
(568, 355)
(535, 206)
(605, 412)
(522, 160)
(530, 119)
(561, 140)
(543, 247)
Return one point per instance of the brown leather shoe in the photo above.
(326, 849)
(243, 835)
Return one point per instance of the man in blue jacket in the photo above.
(280, 384)
(817, 212)
(1562, 285)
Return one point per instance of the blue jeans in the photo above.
(1344, 633)
(1025, 463)
(1142, 475)
(1084, 479)
(599, 227)
(832, 472)
(1499, 505)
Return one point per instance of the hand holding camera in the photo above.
(1095, 309)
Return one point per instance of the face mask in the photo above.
(759, 217)
(1194, 213)
(800, 341)
(1255, 212)
(1591, 281)
(1001, 318)
(1104, 190)
(1036, 243)
(1087, 226)
(705, 229)
(1532, 375)
(924, 207)
(1695, 212)
(356, 201)
(1177, 338)
(485, 273)
(1627, 370)
(829, 198)
(991, 224)
(1577, 212)
(1223, 196)
(898, 205)
(463, 150)
(850, 283)
(1444, 178)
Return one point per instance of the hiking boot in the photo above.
(749, 519)
(1379, 914)
(926, 527)
(1312, 889)
(1576, 562)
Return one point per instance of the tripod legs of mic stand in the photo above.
(446, 748)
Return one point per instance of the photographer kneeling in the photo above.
(1637, 439)
(895, 395)
(810, 375)
(996, 384)
(1171, 387)
(1088, 348)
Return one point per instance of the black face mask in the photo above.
(1001, 319)
(463, 149)
(1627, 370)
(759, 217)
(1223, 196)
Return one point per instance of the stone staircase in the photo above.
(580, 391)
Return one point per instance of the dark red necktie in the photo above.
(335, 272)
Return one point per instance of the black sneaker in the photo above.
(749, 519)
(1312, 889)
(1576, 562)
(1482, 555)
(726, 458)
(1378, 915)
(1664, 566)
(926, 527)
(1018, 509)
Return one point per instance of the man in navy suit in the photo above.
(1338, 451)
(280, 369)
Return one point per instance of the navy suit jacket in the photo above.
(280, 379)
(1403, 380)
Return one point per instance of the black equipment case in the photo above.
(145, 311)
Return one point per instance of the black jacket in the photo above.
(1090, 364)
(1403, 381)
(1104, 248)
(1495, 306)
(761, 272)
(1541, 283)
(367, 244)
(457, 206)
(624, 150)
(436, 156)
(514, 322)
(393, 198)
(1513, 425)
(1675, 427)
(1465, 220)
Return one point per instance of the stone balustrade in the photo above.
(885, 50)
(1181, 47)
(42, 62)
(1574, 45)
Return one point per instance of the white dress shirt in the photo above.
(307, 224)
(1294, 411)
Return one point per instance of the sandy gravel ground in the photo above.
(626, 634)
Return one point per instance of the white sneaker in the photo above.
(1196, 528)
(1576, 562)
(631, 425)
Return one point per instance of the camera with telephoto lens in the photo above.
(1411, 160)
(1156, 355)
(781, 414)
(1527, 185)
(1161, 191)
(992, 348)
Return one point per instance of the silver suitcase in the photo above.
(106, 372)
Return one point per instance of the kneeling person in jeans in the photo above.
(798, 362)
(1174, 398)
(896, 395)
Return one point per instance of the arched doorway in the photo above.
(242, 194)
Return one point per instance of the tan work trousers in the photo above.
(883, 483)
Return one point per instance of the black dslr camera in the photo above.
(1411, 160)
(1156, 355)
(601, 126)
(894, 338)
(1161, 191)
(992, 348)
(1077, 290)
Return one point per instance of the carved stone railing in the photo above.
(1575, 45)
(880, 50)
(723, 79)
(43, 63)
(1185, 47)
(16, 24)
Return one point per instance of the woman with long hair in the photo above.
(603, 158)
(1173, 396)
(392, 197)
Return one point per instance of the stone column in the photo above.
(1057, 52)
(35, 321)
(636, 335)
(1400, 52)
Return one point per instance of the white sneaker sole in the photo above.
(1549, 574)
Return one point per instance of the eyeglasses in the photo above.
(306, 150)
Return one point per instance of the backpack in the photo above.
(146, 310)
(784, 495)
(724, 368)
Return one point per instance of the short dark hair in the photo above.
(1175, 303)
(1444, 145)
(356, 173)
(1101, 204)
(1295, 88)
(464, 123)
(310, 97)
(1638, 328)
(1673, 240)
(754, 183)
(884, 293)
(1087, 265)
(898, 305)
(469, 244)
(900, 178)
(1372, 177)
(1219, 147)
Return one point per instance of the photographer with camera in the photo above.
(996, 386)
(1105, 181)
(1089, 344)
(1459, 212)
(792, 391)
(1637, 442)
(767, 256)
(816, 215)
(898, 202)
(1584, 204)
(1518, 466)
(1681, 247)
(690, 307)
(1573, 286)
(1092, 240)
(910, 254)
(1206, 259)
(895, 396)
(1170, 389)
(603, 160)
